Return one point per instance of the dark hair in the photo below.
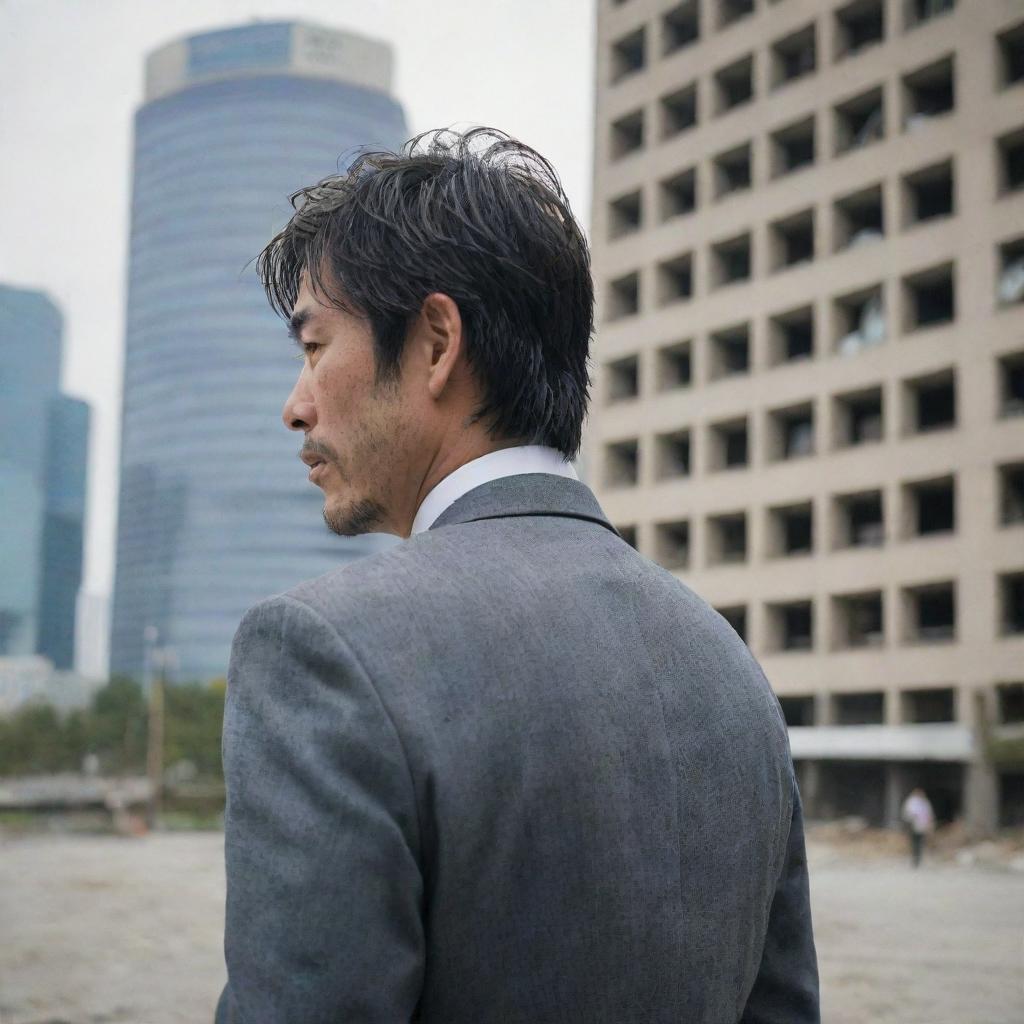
(481, 218)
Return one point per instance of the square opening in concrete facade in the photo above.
(1010, 703)
(732, 170)
(791, 336)
(732, 10)
(736, 616)
(1010, 162)
(791, 240)
(625, 214)
(1010, 286)
(859, 520)
(734, 84)
(677, 195)
(858, 218)
(790, 625)
(1011, 602)
(858, 417)
(730, 261)
(1011, 384)
(858, 708)
(928, 92)
(930, 402)
(623, 296)
(672, 455)
(1010, 64)
(680, 26)
(729, 351)
(850, 789)
(728, 446)
(857, 620)
(791, 432)
(1011, 493)
(622, 379)
(921, 707)
(791, 530)
(929, 507)
(628, 534)
(677, 111)
(622, 463)
(727, 538)
(928, 193)
(929, 298)
(674, 366)
(919, 12)
(930, 612)
(628, 54)
(797, 710)
(859, 121)
(792, 147)
(1011, 799)
(859, 24)
(675, 279)
(627, 134)
(672, 544)
(794, 56)
(858, 320)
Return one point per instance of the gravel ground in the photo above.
(940, 945)
(128, 931)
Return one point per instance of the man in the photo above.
(509, 771)
(919, 817)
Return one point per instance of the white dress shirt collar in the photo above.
(528, 458)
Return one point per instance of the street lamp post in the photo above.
(155, 658)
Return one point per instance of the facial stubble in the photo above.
(376, 448)
(353, 520)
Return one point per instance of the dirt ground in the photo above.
(108, 930)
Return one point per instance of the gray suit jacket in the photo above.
(509, 772)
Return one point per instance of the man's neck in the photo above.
(492, 465)
(446, 461)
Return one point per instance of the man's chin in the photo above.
(351, 519)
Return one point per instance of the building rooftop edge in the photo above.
(293, 46)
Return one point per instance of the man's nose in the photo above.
(299, 412)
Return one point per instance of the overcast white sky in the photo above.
(71, 75)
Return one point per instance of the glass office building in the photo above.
(215, 508)
(44, 442)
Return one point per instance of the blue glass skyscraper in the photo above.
(215, 509)
(44, 443)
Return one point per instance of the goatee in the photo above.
(354, 520)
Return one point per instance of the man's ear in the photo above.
(442, 339)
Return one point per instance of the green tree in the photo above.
(76, 742)
(117, 726)
(36, 739)
(31, 740)
(193, 714)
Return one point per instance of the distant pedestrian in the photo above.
(920, 818)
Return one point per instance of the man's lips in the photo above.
(311, 459)
(317, 463)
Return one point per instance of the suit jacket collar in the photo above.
(526, 494)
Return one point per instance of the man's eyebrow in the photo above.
(297, 322)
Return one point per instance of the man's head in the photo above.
(443, 300)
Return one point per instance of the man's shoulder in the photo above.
(448, 565)
(398, 574)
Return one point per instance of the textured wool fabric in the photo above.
(509, 772)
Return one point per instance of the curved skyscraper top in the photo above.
(215, 508)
